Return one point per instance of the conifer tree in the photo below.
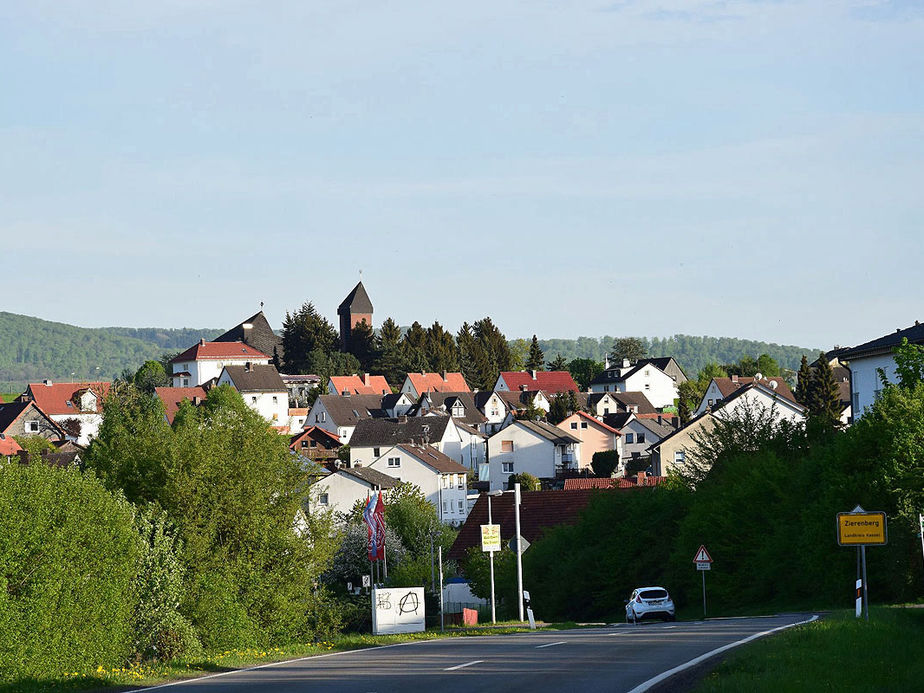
(824, 397)
(803, 382)
(390, 362)
(558, 364)
(442, 352)
(536, 359)
(363, 345)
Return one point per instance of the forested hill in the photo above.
(692, 353)
(32, 349)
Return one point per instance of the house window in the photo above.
(461, 481)
(253, 400)
(574, 425)
(460, 506)
(507, 467)
(583, 424)
(323, 499)
(376, 452)
(647, 386)
(32, 426)
(679, 457)
(630, 438)
(606, 410)
(444, 506)
(314, 443)
(275, 399)
(304, 443)
(606, 388)
(641, 438)
(506, 446)
(323, 416)
(185, 382)
(394, 462)
(710, 402)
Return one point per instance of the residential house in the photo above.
(256, 332)
(25, 418)
(202, 363)
(416, 384)
(673, 450)
(539, 511)
(317, 444)
(495, 411)
(644, 376)
(720, 389)
(397, 404)
(341, 489)
(8, 448)
(76, 407)
(599, 404)
(519, 401)
(474, 446)
(595, 436)
(172, 397)
(339, 415)
(354, 385)
(867, 360)
(300, 388)
(638, 434)
(550, 382)
(459, 405)
(262, 390)
(441, 479)
(634, 402)
(535, 447)
(298, 417)
(372, 436)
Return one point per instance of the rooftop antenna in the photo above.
(261, 305)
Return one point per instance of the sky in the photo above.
(747, 169)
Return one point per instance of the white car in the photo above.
(649, 602)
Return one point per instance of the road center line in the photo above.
(550, 644)
(462, 666)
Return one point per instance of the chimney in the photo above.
(445, 379)
(675, 421)
(734, 378)
(47, 381)
(196, 401)
(626, 363)
(202, 341)
(346, 393)
(366, 380)
(402, 418)
(533, 374)
(248, 367)
(523, 388)
(659, 418)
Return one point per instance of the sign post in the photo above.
(862, 528)
(703, 562)
(491, 542)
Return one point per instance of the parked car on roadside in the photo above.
(649, 603)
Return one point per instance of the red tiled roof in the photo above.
(551, 382)
(204, 351)
(319, 434)
(728, 386)
(538, 511)
(52, 399)
(435, 382)
(372, 385)
(8, 446)
(594, 482)
(173, 396)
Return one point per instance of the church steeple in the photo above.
(355, 308)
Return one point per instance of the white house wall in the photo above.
(441, 490)
(865, 385)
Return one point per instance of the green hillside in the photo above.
(692, 353)
(32, 349)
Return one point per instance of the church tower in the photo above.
(355, 308)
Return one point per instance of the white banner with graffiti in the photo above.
(398, 610)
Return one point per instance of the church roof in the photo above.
(357, 301)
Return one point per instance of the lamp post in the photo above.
(516, 501)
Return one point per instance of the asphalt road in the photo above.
(616, 658)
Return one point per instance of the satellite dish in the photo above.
(759, 376)
(774, 384)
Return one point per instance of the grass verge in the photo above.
(838, 653)
(138, 675)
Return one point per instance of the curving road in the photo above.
(615, 658)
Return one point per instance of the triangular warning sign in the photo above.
(702, 556)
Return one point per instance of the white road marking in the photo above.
(669, 627)
(693, 662)
(462, 666)
(551, 644)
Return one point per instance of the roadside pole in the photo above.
(862, 528)
(491, 554)
(516, 500)
(865, 586)
(703, 573)
(921, 527)
(442, 621)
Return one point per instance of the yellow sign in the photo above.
(866, 528)
(490, 538)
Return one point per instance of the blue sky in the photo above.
(749, 169)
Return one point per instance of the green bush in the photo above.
(68, 555)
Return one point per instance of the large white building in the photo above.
(203, 362)
(646, 376)
(868, 359)
(262, 390)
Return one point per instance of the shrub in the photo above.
(68, 554)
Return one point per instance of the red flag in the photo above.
(378, 516)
